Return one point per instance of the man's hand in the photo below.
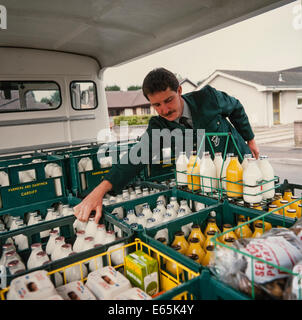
(93, 201)
(252, 145)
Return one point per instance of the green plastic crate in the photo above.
(94, 177)
(41, 189)
(66, 229)
(203, 287)
(226, 213)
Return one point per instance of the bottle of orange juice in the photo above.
(197, 233)
(234, 174)
(299, 211)
(172, 266)
(193, 169)
(287, 195)
(283, 203)
(244, 231)
(291, 213)
(195, 248)
(295, 204)
(209, 256)
(230, 234)
(258, 232)
(209, 236)
(277, 199)
(272, 207)
(180, 240)
(211, 225)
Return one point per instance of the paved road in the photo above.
(287, 162)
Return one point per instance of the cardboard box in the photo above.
(32, 286)
(142, 271)
(106, 283)
(75, 290)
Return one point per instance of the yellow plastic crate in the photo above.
(167, 280)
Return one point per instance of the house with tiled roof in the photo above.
(269, 98)
(128, 103)
(187, 85)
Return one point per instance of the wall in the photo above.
(253, 101)
(288, 107)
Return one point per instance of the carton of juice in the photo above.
(142, 271)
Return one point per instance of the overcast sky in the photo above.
(269, 42)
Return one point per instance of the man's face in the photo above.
(168, 104)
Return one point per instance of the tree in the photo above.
(133, 88)
(113, 88)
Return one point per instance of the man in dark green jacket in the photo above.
(206, 109)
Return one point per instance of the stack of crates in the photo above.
(29, 179)
(86, 166)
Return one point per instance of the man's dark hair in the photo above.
(159, 80)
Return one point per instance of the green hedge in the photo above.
(132, 120)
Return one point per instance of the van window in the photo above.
(83, 95)
(29, 96)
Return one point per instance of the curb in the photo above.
(295, 162)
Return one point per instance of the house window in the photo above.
(83, 95)
(29, 96)
(299, 100)
(146, 110)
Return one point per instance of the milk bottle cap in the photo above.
(218, 154)
(263, 157)
(89, 239)
(59, 239)
(126, 220)
(141, 216)
(66, 246)
(247, 156)
(213, 214)
(101, 226)
(41, 254)
(36, 245)
(181, 210)
(80, 232)
(13, 263)
(10, 253)
(105, 202)
(6, 246)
